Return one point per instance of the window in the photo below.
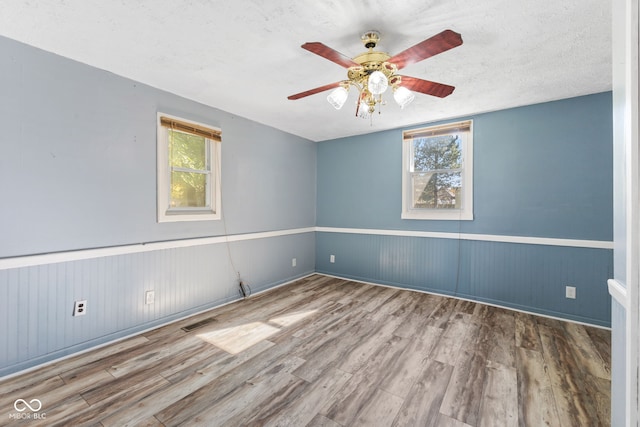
(188, 170)
(437, 179)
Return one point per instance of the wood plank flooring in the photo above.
(329, 352)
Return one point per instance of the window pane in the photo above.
(188, 190)
(437, 190)
(437, 153)
(187, 151)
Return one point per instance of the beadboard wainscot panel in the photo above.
(522, 276)
(38, 325)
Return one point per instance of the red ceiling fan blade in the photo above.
(427, 87)
(314, 91)
(432, 46)
(330, 54)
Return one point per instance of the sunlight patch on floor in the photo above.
(291, 318)
(239, 338)
(236, 339)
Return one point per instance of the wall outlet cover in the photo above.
(570, 292)
(149, 297)
(80, 308)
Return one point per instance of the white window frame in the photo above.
(465, 212)
(165, 212)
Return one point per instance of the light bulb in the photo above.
(377, 83)
(403, 96)
(363, 110)
(337, 97)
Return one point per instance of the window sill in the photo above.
(184, 216)
(438, 215)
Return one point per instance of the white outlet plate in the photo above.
(80, 308)
(294, 262)
(570, 292)
(149, 297)
(332, 258)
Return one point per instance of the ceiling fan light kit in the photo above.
(377, 83)
(403, 96)
(373, 72)
(338, 97)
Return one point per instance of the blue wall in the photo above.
(79, 161)
(542, 171)
(78, 171)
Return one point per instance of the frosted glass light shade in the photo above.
(377, 83)
(363, 110)
(337, 97)
(403, 96)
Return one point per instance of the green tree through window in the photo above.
(189, 169)
(437, 171)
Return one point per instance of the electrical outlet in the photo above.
(149, 297)
(80, 308)
(570, 292)
(332, 258)
(294, 262)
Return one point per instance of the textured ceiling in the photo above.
(244, 56)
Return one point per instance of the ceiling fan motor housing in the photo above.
(370, 61)
(370, 64)
(370, 39)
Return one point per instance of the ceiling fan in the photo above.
(372, 72)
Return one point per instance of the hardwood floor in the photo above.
(330, 352)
